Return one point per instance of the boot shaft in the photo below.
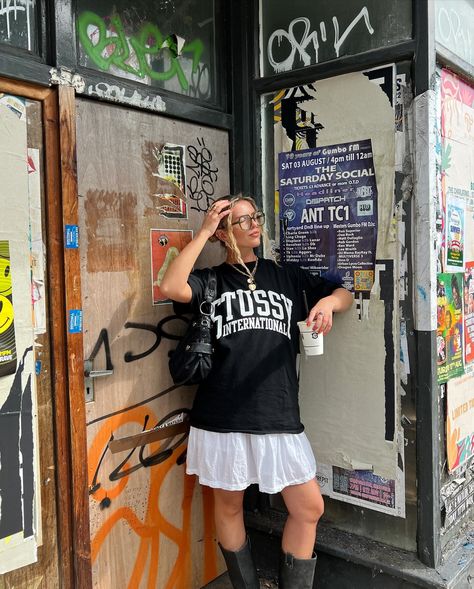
(296, 573)
(241, 568)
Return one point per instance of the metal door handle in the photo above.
(89, 379)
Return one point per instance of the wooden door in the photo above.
(29, 547)
(144, 181)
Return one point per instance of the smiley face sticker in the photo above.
(5, 276)
(6, 314)
(7, 329)
(6, 307)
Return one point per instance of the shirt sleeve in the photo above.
(197, 283)
(315, 287)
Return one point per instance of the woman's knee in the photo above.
(228, 503)
(308, 511)
(311, 512)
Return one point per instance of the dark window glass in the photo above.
(300, 33)
(19, 24)
(165, 43)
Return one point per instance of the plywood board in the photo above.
(150, 525)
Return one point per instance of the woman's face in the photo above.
(456, 297)
(245, 238)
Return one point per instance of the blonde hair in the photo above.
(226, 225)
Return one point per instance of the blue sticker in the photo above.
(75, 320)
(37, 367)
(72, 236)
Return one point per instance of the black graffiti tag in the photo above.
(169, 445)
(165, 451)
(159, 333)
(203, 175)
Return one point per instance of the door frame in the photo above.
(70, 442)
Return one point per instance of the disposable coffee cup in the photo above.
(313, 342)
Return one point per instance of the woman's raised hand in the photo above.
(216, 212)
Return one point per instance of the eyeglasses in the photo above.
(245, 221)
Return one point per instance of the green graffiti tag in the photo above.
(106, 50)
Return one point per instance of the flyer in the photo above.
(449, 340)
(328, 211)
(165, 246)
(469, 314)
(459, 422)
(364, 485)
(8, 354)
(455, 219)
(364, 488)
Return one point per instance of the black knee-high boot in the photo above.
(241, 568)
(296, 573)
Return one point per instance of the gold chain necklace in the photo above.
(250, 275)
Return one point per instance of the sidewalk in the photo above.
(223, 582)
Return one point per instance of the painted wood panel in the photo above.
(151, 525)
(33, 377)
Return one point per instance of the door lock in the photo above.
(89, 373)
(89, 379)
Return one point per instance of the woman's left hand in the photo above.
(321, 315)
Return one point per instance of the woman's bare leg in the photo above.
(305, 507)
(229, 517)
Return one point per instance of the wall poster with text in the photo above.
(456, 164)
(455, 216)
(328, 211)
(165, 245)
(449, 340)
(469, 315)
(460, 422)
(363, 488)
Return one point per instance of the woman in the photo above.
(245, 424)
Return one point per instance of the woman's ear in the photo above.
(221, 235)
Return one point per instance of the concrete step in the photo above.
(347, 561)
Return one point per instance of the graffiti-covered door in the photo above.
(143, 183)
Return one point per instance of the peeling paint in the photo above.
(65, 77)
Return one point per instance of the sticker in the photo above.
(8, 357)
(16, 104)
(363, 280)
(172, 168)
(72, 236)
(75, 321)
(38, 367)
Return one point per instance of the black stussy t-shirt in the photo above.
(253, 385)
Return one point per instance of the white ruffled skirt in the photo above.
(233, 461)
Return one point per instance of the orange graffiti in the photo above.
(154, 524)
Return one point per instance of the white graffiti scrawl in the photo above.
(14, 8)
(307, 47)
(118, 94)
